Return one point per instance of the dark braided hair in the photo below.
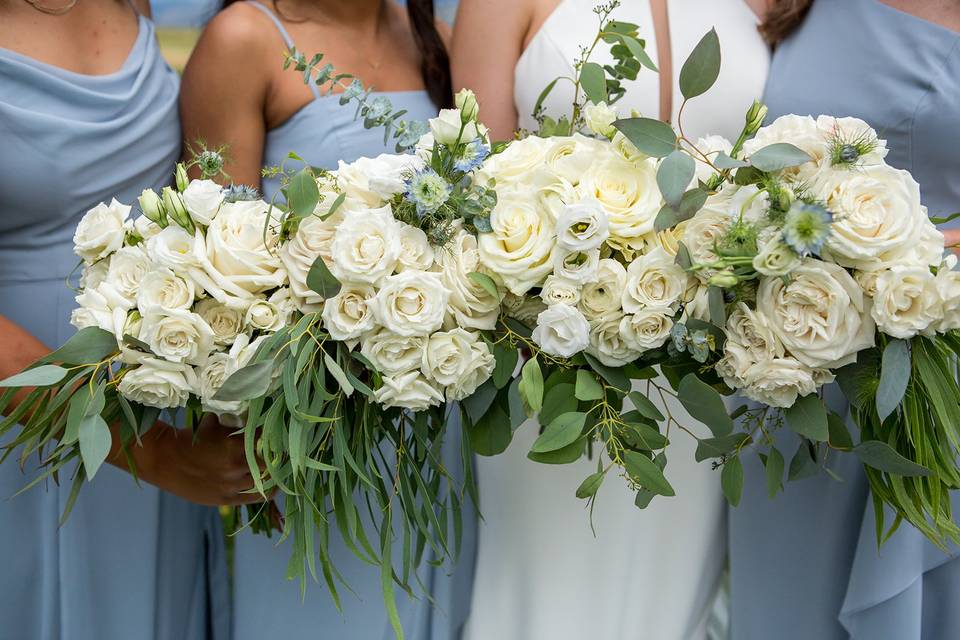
(434, 60)
(782, 19)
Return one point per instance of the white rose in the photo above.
(515, 163)
(127, 272)
(562, 331)
(225, 322)
(569, 157)
(604, 295)
(697, 302)
(599, 118)
(752, 330)
(347, 315)
(551, 192)
(409, 390)
(284, 304)
(701, 234)
(263, 315)
(576, 266)
(146, 228)
(560, 291)
(415, 250)
(392, 353)
(582, 226)
(101, 231)
(627, 150)
(779, 382)
(479, 370)
(653, 280)
(877, 215)
(820, 316)
(177, 335)
(312, 240)
(907, 301)
(457, 360)
(93, 274)
(466, 101)
(241, 252)
(176, 249)
(162, 289)
(775, 258)
(607, 343)
(449, 127)
(219, 367)
(801, 132)
(711, 146)
(519, 248)
(203, 199)
(158, 383)
(628, 192)
(471, 306)
(366, 246)
(411, 303)
(948, 286)
(96, 310)
(646, 329)
(375, 180)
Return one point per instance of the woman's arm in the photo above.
(488, 37)
(224, 90)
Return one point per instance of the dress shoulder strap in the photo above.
(287, 40)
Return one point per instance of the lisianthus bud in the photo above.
(152, 207)
(132, 326)
(466, 101)
(176, 210)
(755, 117)
(181, 175)
(723, 279)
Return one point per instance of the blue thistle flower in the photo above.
(471, 155)
(240, 193)
(806, 227)
(427, 190)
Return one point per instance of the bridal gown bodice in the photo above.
(648, 574)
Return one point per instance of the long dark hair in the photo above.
(434, 59)
(782, 18)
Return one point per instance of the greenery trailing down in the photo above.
(343, 465)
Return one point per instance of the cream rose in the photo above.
(653, 280)
(607, 343)
(801, 132)
(604, 295)
(562, 331)
(127, 271)
(515, 163)
(376, 180)
(176, 249)
(312, 240)
(392, 353)
(907, 301)
(158, 383)
(457, 358)
(523, 308)
(701, 234)
(628, 192)
(820, 316)
(225, 322)
(409, 390)
(569, 157)
(779, 382)
(557, 290)
(177, 335)
(711, 146)
(366, 246)
(449, 127)
(948, 286)
(775, 258)
(203, 199)
(347, 315)
(646, 329)
(221, 366)
(599, 118)
(101, 231)
(520, 246)
(263, 315)
(415, 250)
(411, 303)
(470, 305)
(96, 310)
(161, 289)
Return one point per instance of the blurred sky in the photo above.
(194, 13)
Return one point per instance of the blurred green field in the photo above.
(176, 44)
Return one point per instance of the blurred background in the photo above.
(179, 23)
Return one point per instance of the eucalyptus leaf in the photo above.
(338, 375)
(839, 433)
(587, 388)
(701, 69)
(251, 381)
(486, 283)
(566, 455)
(89, 345)
(774, 465)
(716, 447)
(302, 194)
(478, 403)
(645, 406)
(895, 370)
(808, 418)
(652, 137)
(614, 377)
(731, 480)
(506, 358)
(880, 455)
(589, 487)
(594, 82)
(321, 280)
(802, 465)
(531, 385)
(779, 156)
(45, 375)
(647, 474)
(724, 161)
(564, 430)
(674, 175)
(557, 400)
(717, 306)
(491, 434)
(704, 403)
(95, 440)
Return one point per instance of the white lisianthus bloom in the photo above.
(241, 252)
(96, 310)
(348, 315)
(779, 382)
(604, 295)
(178, 336)
(101, 231)
(562, 331)
(312, 240)
(701, 234)
(578, 267)
(409, 390)
(582, 226)
(653, 280)
(226, 322)
(907, 301)
(849, 129)
(775, 258)
(569, 157)
(466, 102)
(366, 246)
(203, 199)
(392, 353)
(523, 308)
(800, 131)
(948, 286)
(599, 118)
(821, 316)
(646, 329)
(458, 361)
(411, 303)
(158, 383)
(161, 289)
(127, 272)
(515, 163)
(710, 145)
(520, 246)
(559, 291)
(415, 250)
(470, 305)
(263, 315)
(450, 127)
(628, 192)
(877, 215)
(607, 343)
(178, 250)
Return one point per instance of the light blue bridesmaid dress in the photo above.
(267, 605)
(805, 565)
(131, 563)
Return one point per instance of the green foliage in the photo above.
(564, 430)
(652, 137)
(703, 403)
(321, 280)
(701, 69)
(731, 480)
(779, 156)
(44, 375)
(895, 370)
(303, 195)
(674, 174)
(808, 418)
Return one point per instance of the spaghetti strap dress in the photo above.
(267, 605)
(131, 562)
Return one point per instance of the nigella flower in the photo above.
(471, 155)
(240, 193)
(806, 227)
(427, 190)
(210, 163)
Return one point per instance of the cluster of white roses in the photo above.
(880, 266)
(189, 299)
(409, 306)
(575, 219)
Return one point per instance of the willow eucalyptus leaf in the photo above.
(87, 346)
(249, 382)
(880, 455)
(589, 487)
(45, 375)
(895, 371)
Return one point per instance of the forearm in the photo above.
(19, 349)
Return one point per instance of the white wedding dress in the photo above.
(651, 574)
